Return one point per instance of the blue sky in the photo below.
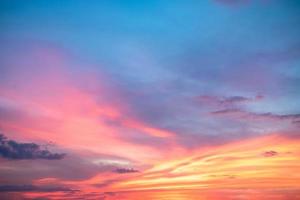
(171, 52)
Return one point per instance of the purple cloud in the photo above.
(239, 113)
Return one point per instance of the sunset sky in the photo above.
(150, 100)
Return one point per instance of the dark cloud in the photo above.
(275, 116)
(239, 99)
(33, 188)
(125, 170)
(227, 101)
(297, 122)
(236, 99)
(227, 111)
(73, 167)
(11, 149)
(239, 113)
(270, 153)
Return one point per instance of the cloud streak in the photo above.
(242, 114)
(33, 188)
(227, 100)
(234, 165)
(125, 170)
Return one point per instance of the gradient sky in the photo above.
(131, 99)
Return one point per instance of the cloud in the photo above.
(240, 99)
(226, 111)
(270, 153)
(235, 99)
(33, 188)
(239, 113)
(227, 101)
(280, 117)
(11, 149)
(202, 167)
(296, 122)
(125, 170)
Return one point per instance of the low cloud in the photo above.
(11, 149)
(125, 170)
(33, 188)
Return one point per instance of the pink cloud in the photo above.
(71, 109)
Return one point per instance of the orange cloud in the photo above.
(236, 165)
(73, 110)
(239, 169)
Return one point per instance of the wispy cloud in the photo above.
(231, 165)
(227, 100)
(242, 114)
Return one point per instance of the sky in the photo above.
(159, 100)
